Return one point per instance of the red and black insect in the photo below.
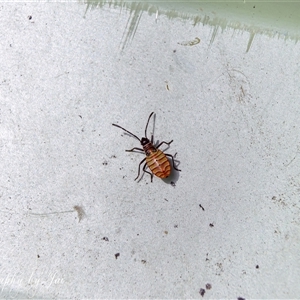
(156, 160)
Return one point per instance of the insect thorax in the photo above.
(147, 146)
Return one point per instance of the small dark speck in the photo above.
(174, 51)
(105, 238)
(166, 232)
(29, 17)
(175, 226)
(38, 256)
(202, 292)
(241, 298)
(166, 199)
(143, 261)
(254, 6)
(117, 255)
(211, 224)
(105, 163)
(208, 286)
(80, 116)
(201, 207)
(173, 183)
(257, 266)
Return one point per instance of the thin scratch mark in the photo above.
(291, 161)
(133, 22)
(214, 34)
(52, 213)
(293, 158)
(252, 35)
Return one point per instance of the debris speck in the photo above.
(190, 43)
(201, 207)
(211, 225)
(208, 286)
(80, 212)
(105, 238)
(202, 292)
(117, 255)
(167, 85)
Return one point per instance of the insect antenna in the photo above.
(148, 123)
(126, 131)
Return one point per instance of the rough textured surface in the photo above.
(234, 119)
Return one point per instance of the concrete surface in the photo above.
(75, 224)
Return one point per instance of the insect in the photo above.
(156, 160)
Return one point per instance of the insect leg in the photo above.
(144, 169)
(164, 143)
(131, 150)
(173, 161)
(140, 168)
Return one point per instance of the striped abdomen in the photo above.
(158, 164)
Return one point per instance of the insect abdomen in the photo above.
(159, 164)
